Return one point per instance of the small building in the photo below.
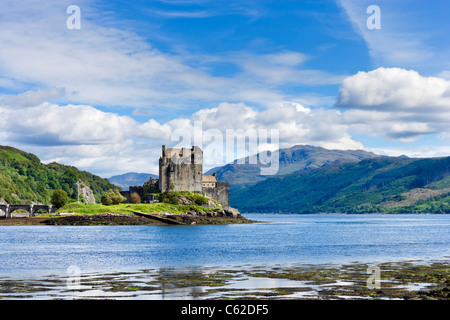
(209, 180)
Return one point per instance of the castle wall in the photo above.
(220, 193)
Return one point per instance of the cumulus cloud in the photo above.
(81, 135)
(394, 88)
(295, 123)
(395, 103)
(51, 124)
(108, 143)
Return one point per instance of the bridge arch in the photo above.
(15, 207)
(46, 208)
(6, 210)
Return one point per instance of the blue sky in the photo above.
(106, 96)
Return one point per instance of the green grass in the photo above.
(128, 208)
(194, 197)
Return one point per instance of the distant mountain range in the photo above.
(295, 159)
(126, 180)
(315, 180)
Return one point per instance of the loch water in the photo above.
(276, 239)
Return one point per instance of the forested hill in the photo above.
(294, 159)
(386, 184)
(24, 179)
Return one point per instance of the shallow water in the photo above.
(293, 281)
(43, 250)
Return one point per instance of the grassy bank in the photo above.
(128, 208)
(129, 214)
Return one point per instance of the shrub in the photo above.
(59, 198)
(169, 197)
(135, 198)
(111, 197)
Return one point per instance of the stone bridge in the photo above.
(6, 210)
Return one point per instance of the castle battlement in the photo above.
(193, 155)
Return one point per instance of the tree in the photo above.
(59, 198)
(112, 197)
(135, 198)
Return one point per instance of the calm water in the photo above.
(33, 250)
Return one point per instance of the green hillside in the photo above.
(388, 184)
(24, 179)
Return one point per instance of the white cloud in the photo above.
(50, 124)
(395, 103)
(394, 89)
(296, 124)
(107, 143)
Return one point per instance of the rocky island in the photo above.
(177, 208)
(182, 195)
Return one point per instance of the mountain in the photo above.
(295, 159)
(131, 179)
(24, 179)
(379, 184)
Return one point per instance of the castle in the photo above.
(181, 169)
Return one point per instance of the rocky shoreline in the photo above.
(403, 280)
(126, 219)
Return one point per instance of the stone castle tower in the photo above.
(181, 169)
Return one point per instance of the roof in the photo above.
(209, 178)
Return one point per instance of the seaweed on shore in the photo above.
(402, 280)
